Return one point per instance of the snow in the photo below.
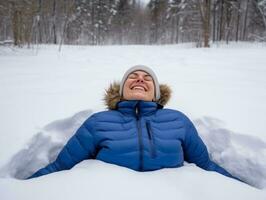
(96, 180)
(46, 95)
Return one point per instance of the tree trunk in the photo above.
(207, 24)
(214, 23)
(221, 32)
(54, 25)
(205, 12)
(238, 20)
(245, 22)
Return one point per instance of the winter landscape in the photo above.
(58, 57)
(46, 95)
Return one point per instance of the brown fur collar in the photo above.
(112, 96)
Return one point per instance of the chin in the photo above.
(139, 97)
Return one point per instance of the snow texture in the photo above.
(93, 179)
(221, 89)
(242, 155)
(43, 147)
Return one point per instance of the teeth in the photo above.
(138, 88)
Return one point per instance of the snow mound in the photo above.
(44, 147)
(94, 179)
(242, 155)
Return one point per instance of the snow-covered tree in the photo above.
(158, 18)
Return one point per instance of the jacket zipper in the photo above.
(138, 120)
(151, 139)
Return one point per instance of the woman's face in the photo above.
(139, 86)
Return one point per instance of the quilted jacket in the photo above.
(139, 135)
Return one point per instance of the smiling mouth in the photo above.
(139, 88)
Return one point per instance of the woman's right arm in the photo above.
(80, 147)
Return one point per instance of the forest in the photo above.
(123, 22)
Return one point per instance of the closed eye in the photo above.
(132, 76)
(147, 78)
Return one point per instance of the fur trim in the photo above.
(112, 96)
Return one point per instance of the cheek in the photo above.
(151, 87)
(126, 88)
(127, 84)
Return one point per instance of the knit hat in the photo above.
(145, 69)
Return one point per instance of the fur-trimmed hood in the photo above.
(112, 96)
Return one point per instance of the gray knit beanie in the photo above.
(145, 69)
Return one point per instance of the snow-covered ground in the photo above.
(45, 96)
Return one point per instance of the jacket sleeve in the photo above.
(79, 147)
(196, 152)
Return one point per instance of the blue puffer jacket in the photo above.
(140, 135)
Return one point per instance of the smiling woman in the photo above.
(136, 132)
(139, 86)
(140, 83)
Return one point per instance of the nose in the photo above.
(140, 79)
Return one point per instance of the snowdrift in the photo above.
(242, 155)
(221, 88)
(93, 179)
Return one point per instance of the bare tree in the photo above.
(205, 13)
(99, 22)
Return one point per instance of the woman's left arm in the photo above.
(195, 151)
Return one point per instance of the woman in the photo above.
(136, 132)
